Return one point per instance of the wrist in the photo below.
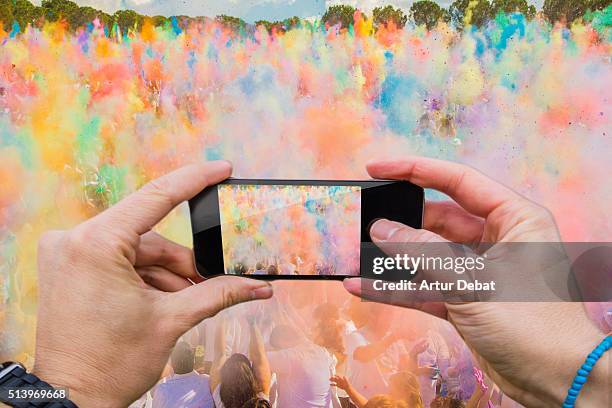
(81, 397)
(87, 386)
(350, 390)
(596, 391)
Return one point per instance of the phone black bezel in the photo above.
(400, 201)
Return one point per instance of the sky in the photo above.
(249, 10)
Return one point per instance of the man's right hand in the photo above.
(531, 350)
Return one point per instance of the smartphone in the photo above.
(294, 229)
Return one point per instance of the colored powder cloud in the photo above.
(86, 118)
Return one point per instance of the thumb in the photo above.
(394, 238)
(384, 230)
(191, 305)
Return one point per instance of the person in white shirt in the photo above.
(429, 358)
(287, 267)
(303, 369)
(373, 354)
(185, 388)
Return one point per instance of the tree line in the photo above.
(424, 12)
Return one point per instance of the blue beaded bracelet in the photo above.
(585, 370)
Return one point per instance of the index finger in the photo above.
(471, 189)
(143, 209)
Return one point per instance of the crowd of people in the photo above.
(291, 226)
(293, 265)
(320, 348)
(144, 327)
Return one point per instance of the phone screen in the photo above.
(295, 229)
(290, 230)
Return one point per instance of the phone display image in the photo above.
(290, 229)
(295, 229)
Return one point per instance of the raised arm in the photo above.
(484, 401)
(370, 351)
(257, 353)
(220, 354)
(343, 383)
(474, 400)
(482, 386)
(409, 361)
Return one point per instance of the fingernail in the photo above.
(262, 292)
(219, 163)
(224, 164)
(383, 229)
(352, 285)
